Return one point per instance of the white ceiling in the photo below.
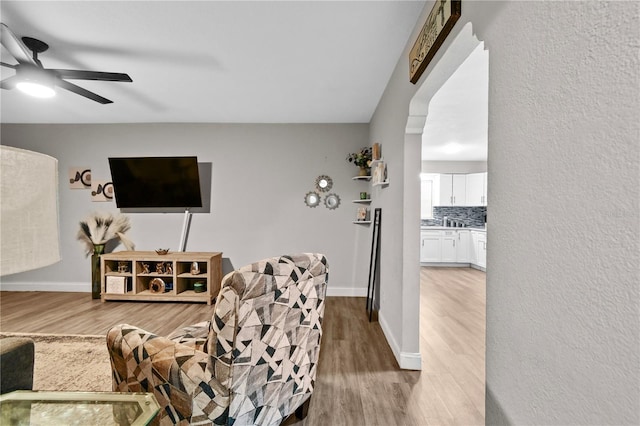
(213, 61)
(457, 122)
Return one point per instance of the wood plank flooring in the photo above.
(359, 381)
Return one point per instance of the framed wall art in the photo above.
(79, 177)
(441, 19)
(101, 190)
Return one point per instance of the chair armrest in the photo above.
(177, 374)
(16, 362)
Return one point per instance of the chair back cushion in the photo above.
(265, 336)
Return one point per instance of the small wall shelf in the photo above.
(362, 222)
(367, 201)
(385, 183)
(367, 178)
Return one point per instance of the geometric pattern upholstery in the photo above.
(254, 362)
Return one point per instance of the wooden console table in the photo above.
(150, 277)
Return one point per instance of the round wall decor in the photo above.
(323, 183)
(312, 199)
(332, 201)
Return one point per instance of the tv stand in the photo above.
(141, 276)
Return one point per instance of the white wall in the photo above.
(563, 335)
(563, 253)
(260, 174)
(454, 166)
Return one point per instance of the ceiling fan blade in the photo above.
(8, 65)
(82, 92)
(92, 75)
(9, 83)
(15, 46)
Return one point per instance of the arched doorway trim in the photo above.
(459, 49)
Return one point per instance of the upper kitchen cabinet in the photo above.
(476, 189)
(453, 190)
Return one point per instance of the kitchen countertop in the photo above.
(452, 228)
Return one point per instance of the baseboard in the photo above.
(446, 264)
(83, 287)
(346, 291)
(410, 361)
(406, 360)
(454, 265)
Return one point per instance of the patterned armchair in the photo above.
(255, 362)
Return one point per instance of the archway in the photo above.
(457, 52)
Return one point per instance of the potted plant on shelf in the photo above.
(361, 159)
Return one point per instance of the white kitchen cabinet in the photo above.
(476, 189)
(444, 246)
(478, 253)
(462, 247)
(446, 186)
(486, 188)
(429, 194)
(448, 242)
(452, 189)
(482, 250)
(473, 247)
(430, 247)
(450, 246)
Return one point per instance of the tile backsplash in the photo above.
(471, 216)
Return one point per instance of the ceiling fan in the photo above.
(31, 76)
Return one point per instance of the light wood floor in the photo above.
(358, 382)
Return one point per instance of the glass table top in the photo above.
(77, 408)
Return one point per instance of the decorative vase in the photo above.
(98, 249)
(363, 171)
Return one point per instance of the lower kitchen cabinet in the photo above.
(453, 246)
(448, 244)
(464, 241)
(430, 247)
(482, 250)
(479, 248)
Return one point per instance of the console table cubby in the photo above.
(138, 271)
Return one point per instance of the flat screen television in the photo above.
(162, 182)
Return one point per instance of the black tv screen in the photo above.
(156, 182)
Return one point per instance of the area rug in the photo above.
(69, 362)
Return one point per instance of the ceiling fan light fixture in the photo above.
(35, 89)
(34, 82)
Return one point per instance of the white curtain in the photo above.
(29, 234)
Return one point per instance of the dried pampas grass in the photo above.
(100, 228)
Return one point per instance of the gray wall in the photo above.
(563, 248)
(260, 174)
